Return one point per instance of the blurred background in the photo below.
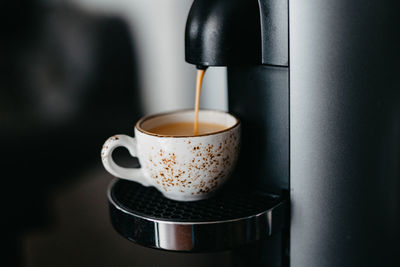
(73, 73)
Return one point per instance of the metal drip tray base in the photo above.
(228, 220)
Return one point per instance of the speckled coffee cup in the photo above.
(184, 168)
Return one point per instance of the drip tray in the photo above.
(228, 220)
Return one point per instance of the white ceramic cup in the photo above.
(184, 168)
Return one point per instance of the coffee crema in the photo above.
(186, 129)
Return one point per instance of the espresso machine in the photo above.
(318, 180)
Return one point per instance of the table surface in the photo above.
(81, 234)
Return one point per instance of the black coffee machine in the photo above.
(315, 86)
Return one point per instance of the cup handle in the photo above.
(132, 174)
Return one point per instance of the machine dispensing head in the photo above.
(223, 32)
(237, 32)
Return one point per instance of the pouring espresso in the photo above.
(190, 128)
(199, 82)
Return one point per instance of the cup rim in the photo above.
(143, 119)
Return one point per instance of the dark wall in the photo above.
(67, 82)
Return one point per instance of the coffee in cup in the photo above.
(186, 128)
(181, 165)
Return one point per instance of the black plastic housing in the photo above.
(233, 32)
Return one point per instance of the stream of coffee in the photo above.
(199, 82)
(188, 128)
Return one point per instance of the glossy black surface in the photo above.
(236, 32)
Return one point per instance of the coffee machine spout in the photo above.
(236, 32)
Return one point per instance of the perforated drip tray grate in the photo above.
(230, 219)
